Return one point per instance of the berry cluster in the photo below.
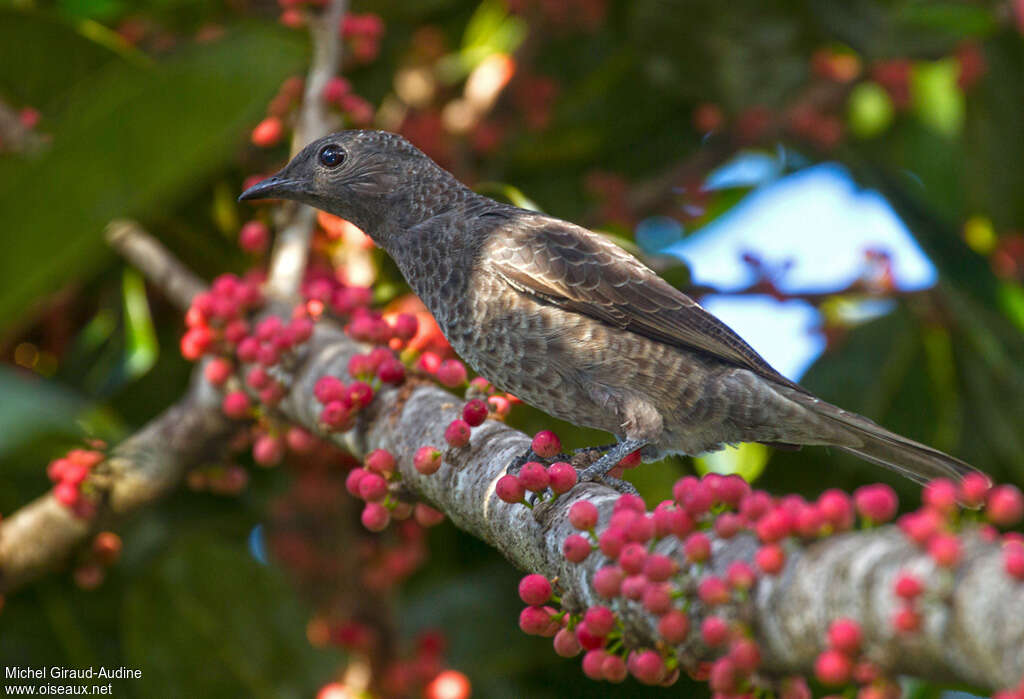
(70, 474)
(92, 566)
(674, 587)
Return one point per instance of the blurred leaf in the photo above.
(197, 631)
(955, 18)
(937, 99)
(33, 407)
(140, 338)
(135, 141)
(870, 111)
(490, 30)
(747, 460)
(513, 195)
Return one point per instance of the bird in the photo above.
(570, 322)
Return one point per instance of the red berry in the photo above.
(335, 414)
(457, 433)
(770, 558)
(740, 575)
(352, 481)
(534, 476)
(373, 487)
(451, 373)
(427, 460)
(1005, 506)
(836, 508)
(427, 516)
(713, 591)
(845, 636)
(268, 450)
(107, 547)
(940, 494)
(833, 668)
(613, 669)
(450, 684)
(659, 567)
(973, 489)
(381, 461)
(217, 371)
(235, 405)
(546, 444)
(599, 620)
(563, 477)
(254, 237)
(1013, 560)
(195, 342)
(728, 525)
(634, 587)
(611, 542)
(714, 631)
(640, 528)
(391, 371)
(745, 655)
(906, 620)
(774, 526)
(657, 598)
(474, 412)
(509, 489)
(566, 644)
(335, 89)
(632, 558)
(328, 389)
(66, 493)
(697, 548)
(945, 550)
(268, 132)
(360, 393)
(723, 676)
(375, 517)
(877, 502)
(674, 626)
(534, 589)
(536, 621)
(647, 667)
(587, 638)
(608, 581)
(593, 664)
(575, 548)
(908, 586)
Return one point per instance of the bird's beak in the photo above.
(278, 186)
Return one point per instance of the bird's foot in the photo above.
(516, 465)
(598, 471)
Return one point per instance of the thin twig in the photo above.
(164, 271)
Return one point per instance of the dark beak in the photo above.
(275, 187)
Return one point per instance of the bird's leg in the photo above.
(598, 471)
(517, 463)
(584, 450)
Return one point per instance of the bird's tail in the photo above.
(860, 436)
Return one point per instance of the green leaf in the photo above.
(513, 195)
(747, 460)
(870, 110)
(207, 620)
(936, 97)
(955, 18)
(133, 141)
(141, 348)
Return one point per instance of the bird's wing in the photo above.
(581, 271)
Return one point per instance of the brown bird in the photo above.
(571, 323)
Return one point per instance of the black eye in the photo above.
(332, 155)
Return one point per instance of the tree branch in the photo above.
(295, 221)
(170, 276)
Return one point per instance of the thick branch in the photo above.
(41, 536)
(295, 222)
(972, 635)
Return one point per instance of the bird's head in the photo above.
(371, 178)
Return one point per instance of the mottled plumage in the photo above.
(568, 321)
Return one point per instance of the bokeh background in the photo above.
(840, 180)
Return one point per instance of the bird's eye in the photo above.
(332, 155)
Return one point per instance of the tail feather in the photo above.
(858, 435)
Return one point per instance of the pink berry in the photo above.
(740, 575)
(427, 516)
(640, 528)
(66, 493)
(845, 636)
(375, 517)
(373, 487)
(908, 586)
(546, 444)
(509, 489)
(647, 667)
(566, 644)
(328, 389)
(722, 679)
(674, 626)
(534, 589)
(474, 412)
(945, 550)
(391, 371)
(728, 525)
(714, 631)
(906, 620)
(253, 237)
(575, 548)
(536, 621)
(427, 460)
(1005, 506)
(745, 655)
(593, 664)
(659, 567)
(940, 494)
(713, 591)
(381, 461)
(836, 508)
(613, 669)
(268, 132)
(405, 325)
(600, 620)
(360, 393)
(335, 414)
(451, 373)
(611, 542)
(973, 489)
(457, 433)
(217, 371)
(608, 581)
(774, 526)
(1013, 560)
(833, 668)
(877, 502)
(657, 598)
(587, 638)
(563, 477)
(235, 405)
(632, 558)
(770, 558)
(268, 450)
(697, 548)
(534, 476)
(634, 587)
(352, 481)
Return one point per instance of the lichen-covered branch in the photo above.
(295, 222)
(971, 635)
(41, 536)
